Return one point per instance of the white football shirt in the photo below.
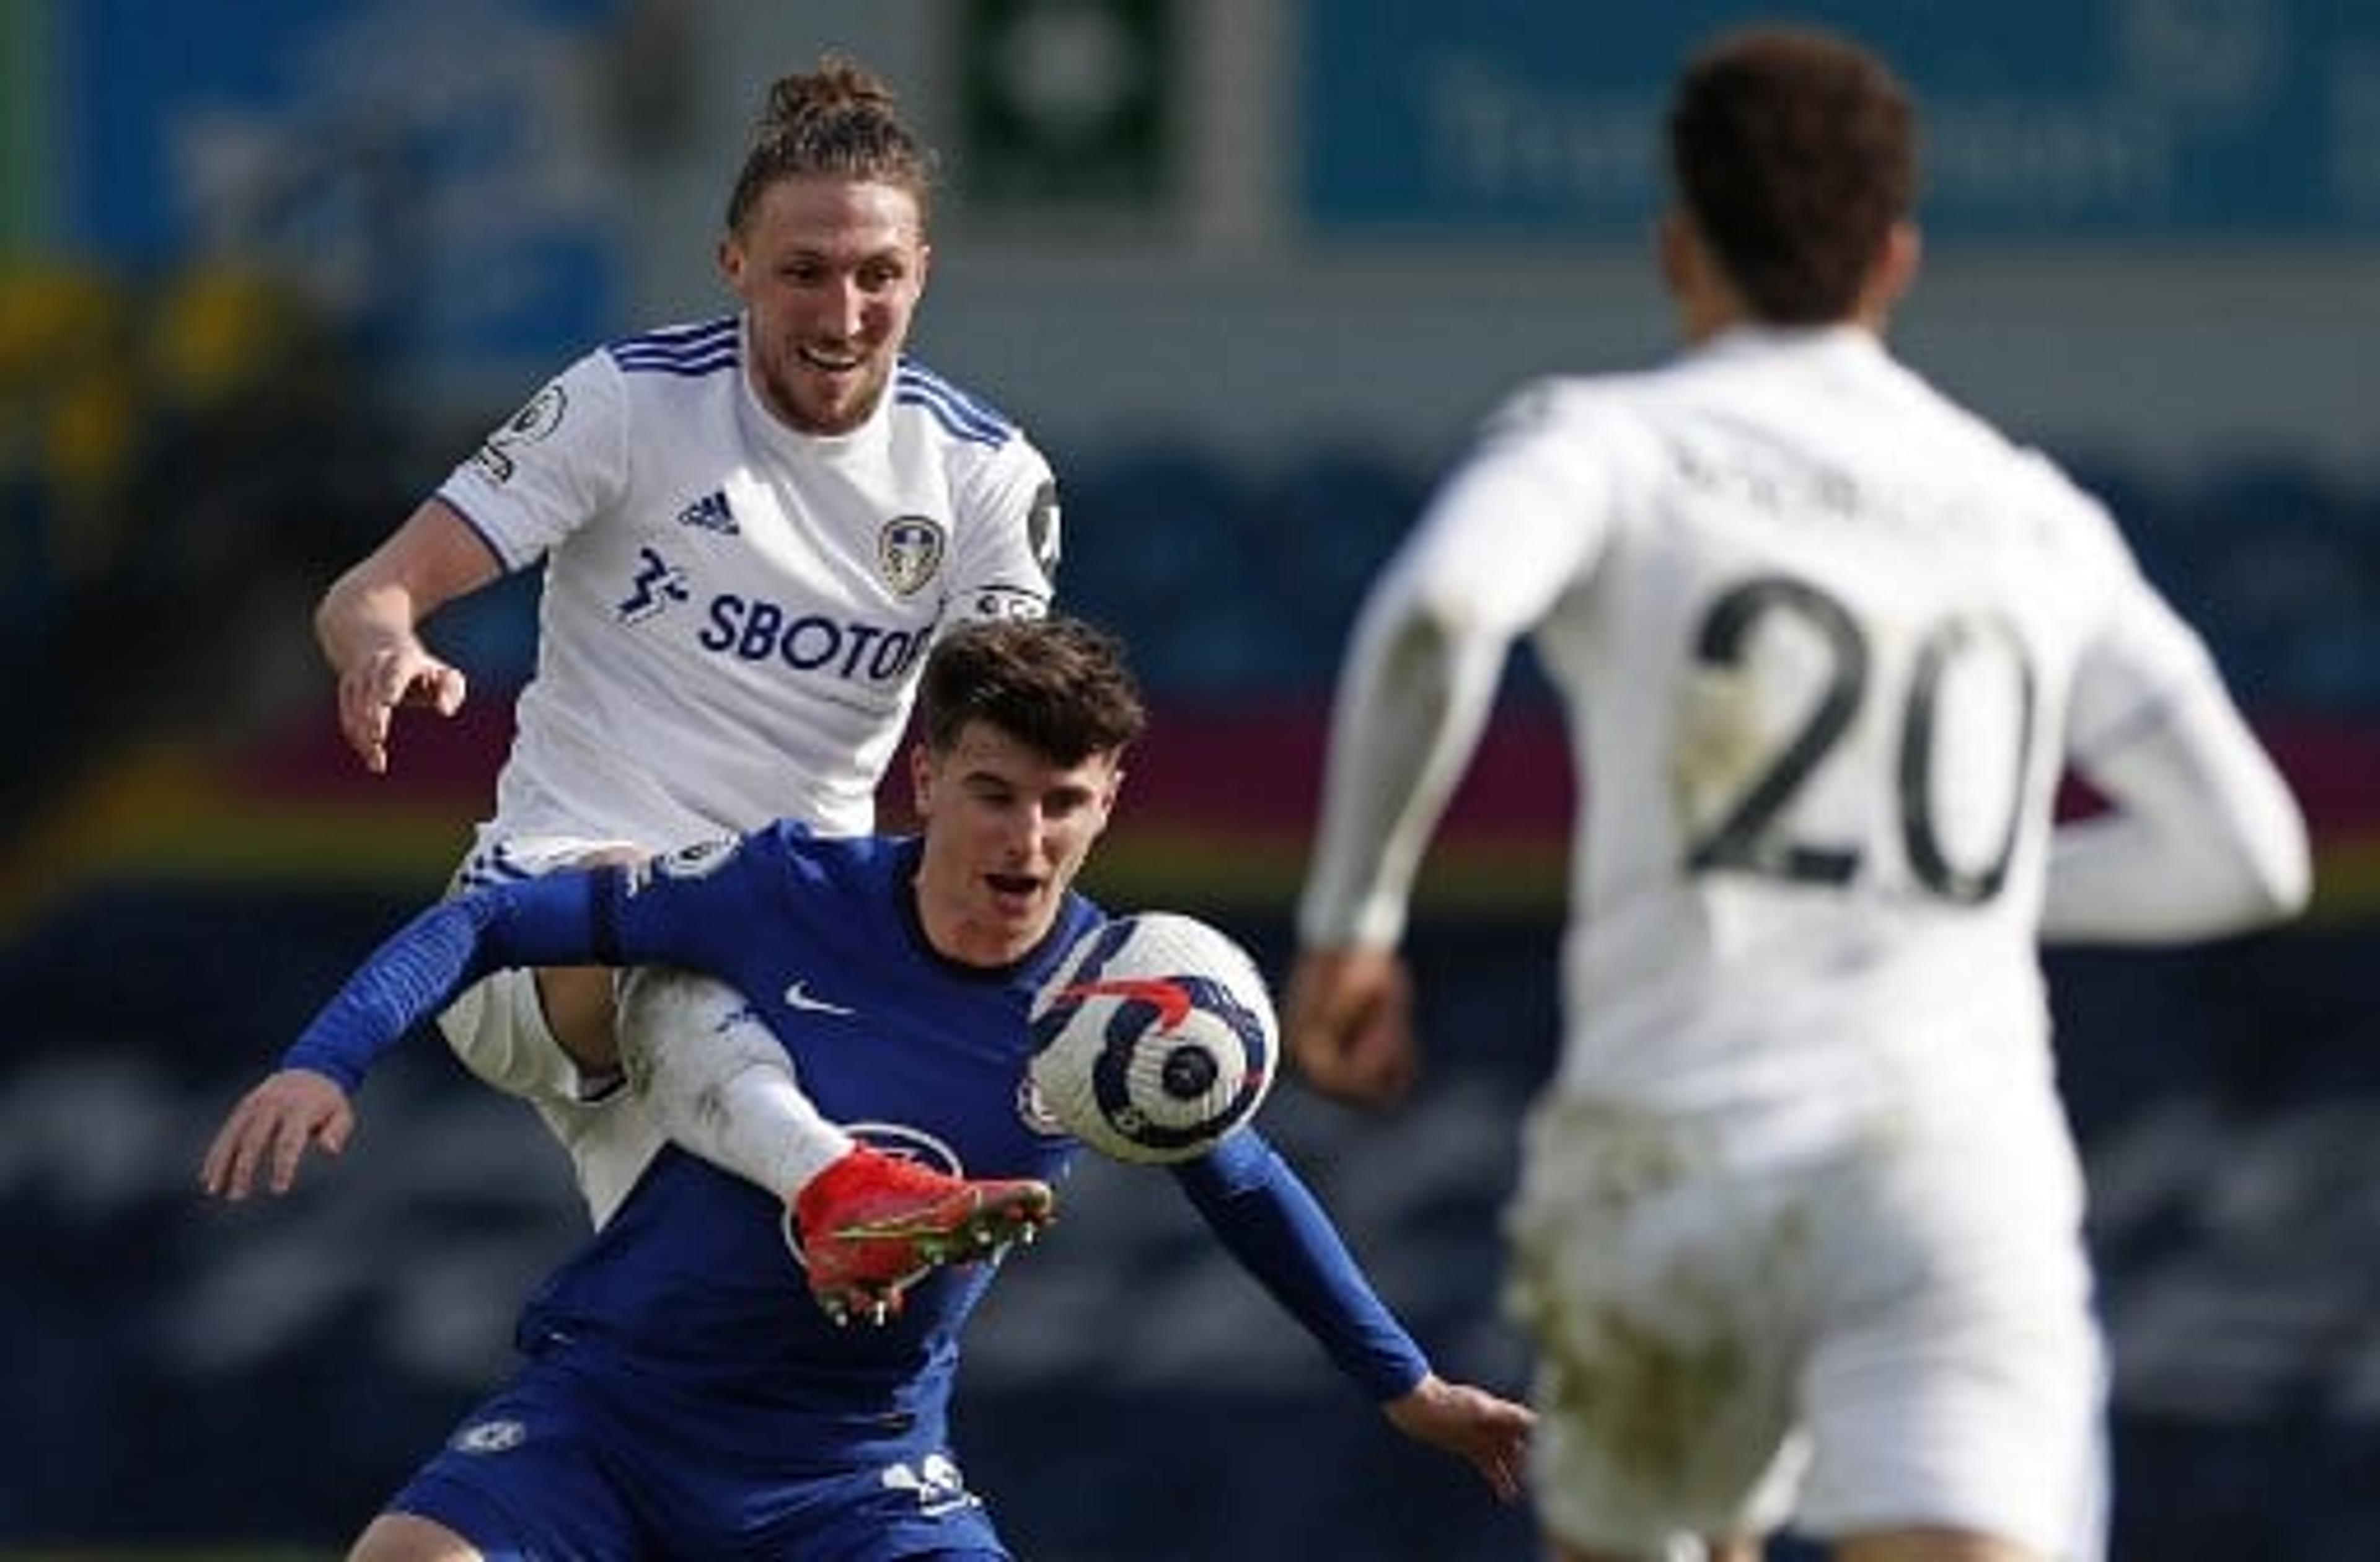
(1828, 643)
(733, 612)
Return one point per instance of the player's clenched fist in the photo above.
(268, 1133)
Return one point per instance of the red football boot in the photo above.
(872, 1223)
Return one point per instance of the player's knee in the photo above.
(1930, 1545)
(578, 1006)
(681, 1026)
(401, 1537)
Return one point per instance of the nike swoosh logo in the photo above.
(799, 996)
(1173, 1000)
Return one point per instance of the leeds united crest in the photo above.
(909, 550)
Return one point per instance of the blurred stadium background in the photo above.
(1248, 269)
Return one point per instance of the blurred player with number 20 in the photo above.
(1798, 1235)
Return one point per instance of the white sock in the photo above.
(719, 1083)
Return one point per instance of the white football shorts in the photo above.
(1880, 1330)
(497, 1027)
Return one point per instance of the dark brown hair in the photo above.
(1059, 685)
(840, 120)
(1794, 151)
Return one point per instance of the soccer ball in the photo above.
(1153, 1038)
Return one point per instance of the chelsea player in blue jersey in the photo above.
(680, 1393)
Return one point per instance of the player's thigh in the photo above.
(403, 1537)
(579, 1003)
(1664, 1297)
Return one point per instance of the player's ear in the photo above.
(1896, 267)
(731, 262)
(1673, 242)
(1702, 292)
(921, 778)
(1108, 792)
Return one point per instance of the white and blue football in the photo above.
(1153, 1038)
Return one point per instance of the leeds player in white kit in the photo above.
(1798, 1235)
(749, 527)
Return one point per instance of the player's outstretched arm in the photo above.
(306, 1102)
(267, 1135)
(1271, 1223)
(1487, 1431)
(367, 625)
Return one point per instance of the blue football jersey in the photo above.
(696, 1281)
(910, 1052)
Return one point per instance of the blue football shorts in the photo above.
(571, 1461)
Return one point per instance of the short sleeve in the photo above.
(1010, 535)
(550, 467)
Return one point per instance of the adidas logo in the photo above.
(710, 513)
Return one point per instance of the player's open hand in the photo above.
(1347, 1021)
(400, 676)
(1488, 1430)
(270, 1129)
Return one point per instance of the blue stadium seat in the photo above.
(1162, 547)
(2153, 521)
(493, 634)
(2281, 586)
(1333, 515)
